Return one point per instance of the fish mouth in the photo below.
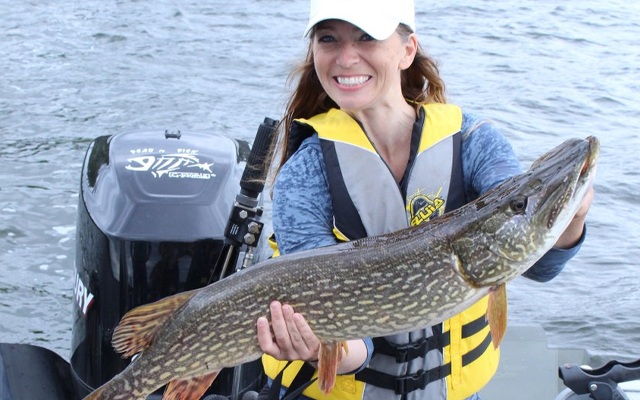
(593, 154)
(559, 201)
(590, 158)
(587, 173)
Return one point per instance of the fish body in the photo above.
(372, 287)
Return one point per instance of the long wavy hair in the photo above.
(421, 84)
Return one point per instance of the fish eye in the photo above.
(518, 205)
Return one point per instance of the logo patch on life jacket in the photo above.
(422, 208)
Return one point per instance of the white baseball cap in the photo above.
(378, 18)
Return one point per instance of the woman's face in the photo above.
(357, 71)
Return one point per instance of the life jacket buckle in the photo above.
(411, 351)
(409, 383)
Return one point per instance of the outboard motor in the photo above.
(159, 213)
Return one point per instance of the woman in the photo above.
(370, 146)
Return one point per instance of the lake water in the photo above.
(543, 71)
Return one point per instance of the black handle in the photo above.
(253, 177)
(600, 382)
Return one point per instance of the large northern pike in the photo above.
(372, 287)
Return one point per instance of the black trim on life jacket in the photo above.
(297, 134)
(354, 228)
(456, 197)
(416, 136)
(471, 328)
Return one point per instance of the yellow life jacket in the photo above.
(465, 358)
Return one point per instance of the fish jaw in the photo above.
(512, 229)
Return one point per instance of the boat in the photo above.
(530, 369)
(161, 212)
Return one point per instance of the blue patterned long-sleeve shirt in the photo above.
(303, 212)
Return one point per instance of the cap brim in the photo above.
(380, 28)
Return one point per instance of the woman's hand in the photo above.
(292, 338)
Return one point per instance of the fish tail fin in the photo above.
(497, 314)
(329, 357)
(136, 330)
(189, 389)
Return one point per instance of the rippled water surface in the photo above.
(543, 71)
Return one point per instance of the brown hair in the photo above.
(421, 83)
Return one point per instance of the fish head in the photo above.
(512, 226)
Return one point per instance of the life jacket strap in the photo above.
(411, 351)
(419, 380)
(407, 352)
(402, 385)
(300, 383)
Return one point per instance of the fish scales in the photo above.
(355, 316)
(375, 286)
(366, 292)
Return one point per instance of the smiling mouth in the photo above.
(352, 80)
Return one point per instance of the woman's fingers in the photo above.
(289, 337)
(281, 336)
(296, 339)
(265, 337)
(304, 342)
(311, 341)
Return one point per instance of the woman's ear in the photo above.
(410, 49)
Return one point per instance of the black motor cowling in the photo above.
(152, 213)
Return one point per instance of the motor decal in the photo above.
(84, 298)
(183, 164)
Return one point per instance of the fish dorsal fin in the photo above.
(138, 327)
(189, 389)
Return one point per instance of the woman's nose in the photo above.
(347, 55)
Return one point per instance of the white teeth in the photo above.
(352, 80)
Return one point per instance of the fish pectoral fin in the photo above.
(136, 330)
(329, 357)
(497, 313)
(190, 388)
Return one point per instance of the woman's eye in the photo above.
(366, 37)
(326, 39)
